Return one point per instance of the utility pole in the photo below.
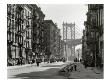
(66, 45)
(78, 54)
(74, 38)
(95, 48)
(65, 37)
(71, 39)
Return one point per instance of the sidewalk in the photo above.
(97, 70)
(87, 73)
(22, 66)
(30, 65)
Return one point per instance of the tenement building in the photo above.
(19, 32)
(38, 32)
(24, 32)
(29, 36)
(94, 27)
(52, 39)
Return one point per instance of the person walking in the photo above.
(37, 62)
(75, 67)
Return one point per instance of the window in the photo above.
(9, 21)
(42, 34)
(13, 9)
(28, 43)
(101, 16)
(19, 27)
(15, 38)
(12, 24)
(8, 36)
(26, 33)
(92, 34)
(22, 39)
(37, 40)
(12, 36)
(28, 22)
(8, 8)
(25, 12)
(12, 16)
(28, 13)
(18, 39)
(22, 14)
(22, 27)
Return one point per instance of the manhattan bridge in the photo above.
(70, 33)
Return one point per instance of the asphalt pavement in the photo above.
(44, 71)
(50, 71)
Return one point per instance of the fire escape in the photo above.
(19, 22)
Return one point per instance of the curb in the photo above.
(27, 65)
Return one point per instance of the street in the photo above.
(44, 45)
(50, 71)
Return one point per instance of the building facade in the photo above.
(23, 21)
(52, 39)
(29, 36)
(38, 32)
(19, 31)
(94, 27)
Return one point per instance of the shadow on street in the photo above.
(51, 73)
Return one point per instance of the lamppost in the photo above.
(78, 54)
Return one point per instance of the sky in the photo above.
(69, 13)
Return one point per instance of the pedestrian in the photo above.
(75, 67)
(37, 62)
(85, 64)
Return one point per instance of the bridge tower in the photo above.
(66, 28)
